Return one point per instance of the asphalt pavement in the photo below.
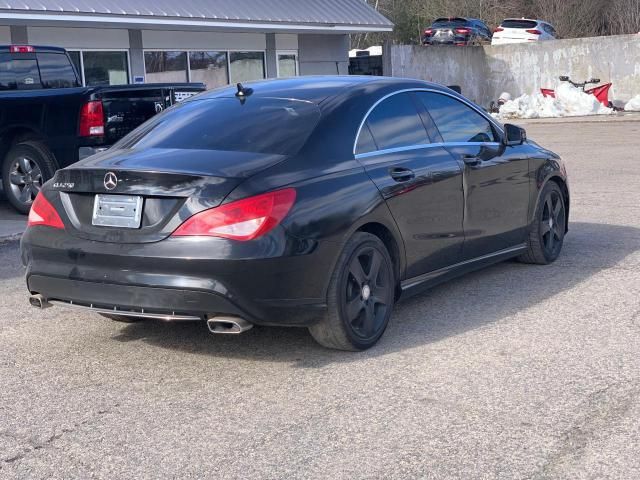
(513, 372)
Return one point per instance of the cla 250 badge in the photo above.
(63, 185)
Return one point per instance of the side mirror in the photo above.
(594, 80)
(514, 135)
(564, 78)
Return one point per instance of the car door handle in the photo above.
(401, 174)
(471, 160)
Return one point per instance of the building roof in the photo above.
(274, 15)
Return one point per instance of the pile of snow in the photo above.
(633, 105)
(569, 102)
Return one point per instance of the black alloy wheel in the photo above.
(367, 295)
(360, 297)
(550, 225)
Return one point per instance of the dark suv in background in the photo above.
(457, 31)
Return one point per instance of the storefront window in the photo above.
(165, 67)
(209, 68)
(246, 66)
(75, 59)
(105, 68)
(287, 65)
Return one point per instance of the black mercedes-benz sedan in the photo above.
(314, 202)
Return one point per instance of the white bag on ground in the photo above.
(633, 105)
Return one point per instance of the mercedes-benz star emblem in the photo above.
(110, 181)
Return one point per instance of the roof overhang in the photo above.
(32, 18)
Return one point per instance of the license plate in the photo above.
(123, 211)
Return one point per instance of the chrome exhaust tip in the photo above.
(38, 301)
(228, 325)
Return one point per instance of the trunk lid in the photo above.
(172, 184)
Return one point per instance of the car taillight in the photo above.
(43, 213)
(242, 220)
(428, 31)
(91, 119)
(465, 31)
(499, 29)
(534, 32)
(21, 49)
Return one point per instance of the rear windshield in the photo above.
(18, 74)
(519, 24)
(449, 22)
(258, 125)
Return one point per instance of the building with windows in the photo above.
(211, 41)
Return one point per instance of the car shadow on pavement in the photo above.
(470, 302)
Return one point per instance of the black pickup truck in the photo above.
(48, 120)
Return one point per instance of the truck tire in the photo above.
(26, 167)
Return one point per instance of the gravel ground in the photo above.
(513, 372)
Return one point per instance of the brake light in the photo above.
(499, 29)
(43, 213)
(534, 32)
(428, 31)
(91, 119)
(465, 31)
(21, 49)
(242, 220)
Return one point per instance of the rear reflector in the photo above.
(91, 119)
(21, 49)
(534, 32)
(242, 220)
(43, 213)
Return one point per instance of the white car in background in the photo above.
(521, 30)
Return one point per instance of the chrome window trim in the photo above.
(425, 89)
(408, 148)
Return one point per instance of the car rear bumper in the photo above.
(176, 277)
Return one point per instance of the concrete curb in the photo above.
(10, 238)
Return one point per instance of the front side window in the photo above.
(246, 66)
(257, 125)
(56, 71)
(105, 68)
(456, 121)
(395, 123)
(209, 68)
(164, 67)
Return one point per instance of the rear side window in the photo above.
(519, 24)
(395, 123)
(456, 121)
(18, 74)
(366, 143)
(56, 71)
(258, 125)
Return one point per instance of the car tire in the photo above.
(549, 226)
(360, 296)
(26, 167)
(121, 318)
